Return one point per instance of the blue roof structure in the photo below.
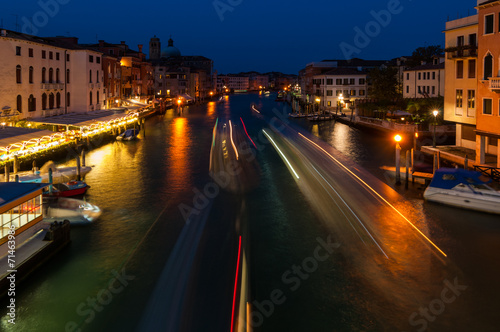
(448, 178)
(10, 191)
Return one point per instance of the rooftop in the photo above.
(10, 191)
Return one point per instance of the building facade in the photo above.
(425, 81)
(461, 84)
(488, 115)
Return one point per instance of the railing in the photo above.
(491, 172)
(52, 112)
(466, 51)
(50, 86)
(494, 83)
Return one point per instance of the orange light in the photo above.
(416, 135)
(179, 101)
(398, 138)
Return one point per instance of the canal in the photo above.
(144, 187)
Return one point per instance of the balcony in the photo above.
(52, 86)
(494, 84)
(458, 52)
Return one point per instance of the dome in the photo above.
(171, 50)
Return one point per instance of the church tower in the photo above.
(154, 48)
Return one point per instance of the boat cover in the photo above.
(448, 178)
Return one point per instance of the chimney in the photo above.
(140, 48)
(3, 33)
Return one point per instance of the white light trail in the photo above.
(232, 142)
(281, 153)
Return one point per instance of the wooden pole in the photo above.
(407, 168)
(78, 177)
(50, 181)
(7, 172)
(466, 163)
(83, 157)
(16, 164)
(34, 166)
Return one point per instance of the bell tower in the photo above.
(154, 48)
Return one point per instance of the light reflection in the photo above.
(179, 148)
(211, 108)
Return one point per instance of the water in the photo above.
(140, 186)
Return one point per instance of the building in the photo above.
(48, 76)
(461, 84)
(425, 81)
(258, 82)
(235, 82)
(488, 116)
(340, 87)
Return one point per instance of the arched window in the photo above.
(31, 104)
(18, 74)
(97, 77)
(51, 101)
(67, 75)
(90, 97)
(68, 99)
(31, 75)
(90, 73)
(19, 103)
(57, 76)
(44, 72)
(109, 68)
(44, 101)
(488, 66)
(58, 100)
(97, 101)
(51, 75)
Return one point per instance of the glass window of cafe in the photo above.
(21, 215)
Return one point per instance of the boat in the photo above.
(255, 108)
(69, 189)
(267, 93)
(59, 174)
(77, 211)
(280, 96)
(464, 189)
(128, 135)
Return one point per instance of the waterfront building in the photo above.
(236, 82)
(488, 101)
(47, 76)
(461, 84)
(340, 87)
(425, 81)
(258, 81)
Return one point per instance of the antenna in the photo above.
(17, 24)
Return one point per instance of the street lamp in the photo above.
(435, 113)
(179, 102)
(318, 101)
(398, 139)
(339, 103)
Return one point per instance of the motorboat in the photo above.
(77, 211)
(69, 189)
(128, 135)
(280, 96)
(464, 189)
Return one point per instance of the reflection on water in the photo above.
(179, 149)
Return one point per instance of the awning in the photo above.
(187, 97)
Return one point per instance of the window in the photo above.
(57, 76)
(339, 81)
(51, 101)
(407, 89)
(67, 75)
(352, 81)
(19, 103)
(419, 89)
(44, 55)
(111, 52)
(346, 81)
(329, 92)
(339, 92)
(91, 58)
(58, 100)
(459, 99)
(471, 99)
(44, 101)
(67, 57)
(460, 69)
(30, 76)
(18, 50)
(419, 76)
(472, 68)
(362, 81)
(98, 59)
(346, 93)
(407, 76)
(90, 97)
(329, 81)
(433, 75)
(97, 77)
(90, 73)
(44, 71)
(51, 55)
(97, 98)
(51, 75)
(488, 66)
(57, 56)
(361, 92)
(68, 99)
(460, 41)
(488, 23)
(30, 52)
(473, 39)
(353, 92)
(487, 106)
(31, 104)
(433, 90)
(18, 74)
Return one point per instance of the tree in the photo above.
(424, 54)
(384, 84)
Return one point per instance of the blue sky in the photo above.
(244, 35)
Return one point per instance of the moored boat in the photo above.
(463, 189)
(128, 135)
(69, 189)
(75, 210)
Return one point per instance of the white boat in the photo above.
(463, 189)
(76, 211)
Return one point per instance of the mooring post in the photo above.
(17, 178)
(466, 163)
(7, 172)
(16, 164)
(50, 181)
(78, 177)
(83, 157)
(34, 166)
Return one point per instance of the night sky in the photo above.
(245, 35)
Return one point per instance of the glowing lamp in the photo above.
(398, 138)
